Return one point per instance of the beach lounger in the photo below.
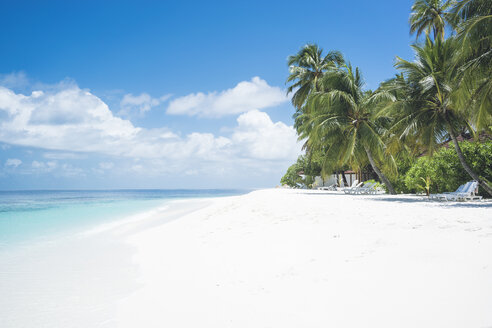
(330, 187)
(446, 195)
(463, 193)
(361, 189)
(366, 189)
(468, 193)
(356, 184)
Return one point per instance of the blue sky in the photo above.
(168, 94)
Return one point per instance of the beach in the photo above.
(270, 258)
(141, 143)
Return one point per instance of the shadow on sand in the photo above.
(405, 199)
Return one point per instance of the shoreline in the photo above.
(76, 278)
(269, 258)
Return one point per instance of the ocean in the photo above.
(30, 215)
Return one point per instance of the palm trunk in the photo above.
(465, 165)
(344, 178)
(380, 174)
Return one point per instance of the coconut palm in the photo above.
(430, 111)
(306, 69)
(475, 36)
(431, 15)
(340, 121)
(409, 144)
(469, 9)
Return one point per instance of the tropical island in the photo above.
(354, 241)
(429, 127)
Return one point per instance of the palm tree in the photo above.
(475, 37)
(431, 15)
(469, 9)
(306, 69)
(340, 121)
(405, 145)
(430, 111)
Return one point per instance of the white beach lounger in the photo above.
(361, 189)
(366, 189)
(356, 184)
(468, 193)
(463, 193)
(446, 195)
(330, 187)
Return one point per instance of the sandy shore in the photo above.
(271, 258)
(288, 258)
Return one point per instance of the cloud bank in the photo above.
(68, 121)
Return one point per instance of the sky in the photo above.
(169, 94)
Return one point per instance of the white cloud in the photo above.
(245, 96)
(13, 162)
(143, 102)
(14, 80)
(44, 166)
(53, 167)
(71, 122)
(264, 139)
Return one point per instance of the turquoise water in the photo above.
(28, 215)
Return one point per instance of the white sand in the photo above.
(271, 258)
(286, 258)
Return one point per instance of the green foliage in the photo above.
(310, 165)
(341, 122)
(404, 161)
(291, 178)
(426, 186)
(445, 171)
(306, 69)
(431, 15)
(444, 92)
(475, 37)
(427, 111)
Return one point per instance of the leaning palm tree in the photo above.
(431, 15)
(430, 111)
(340, 121)
(306, 69)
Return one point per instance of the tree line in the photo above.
(443, 93)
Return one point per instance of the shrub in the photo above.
(291, 178)
(311, 168)
(403, 162)
(445, 170)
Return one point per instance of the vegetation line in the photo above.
(444, 93)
